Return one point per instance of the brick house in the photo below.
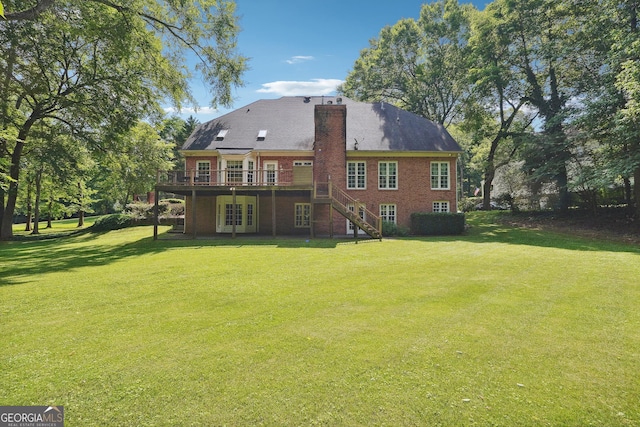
(313, 166)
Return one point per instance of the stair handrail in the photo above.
(343, 199)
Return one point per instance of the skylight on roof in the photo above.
(221, 134)
(262, 134)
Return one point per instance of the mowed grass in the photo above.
(58, 228)
(502, 326)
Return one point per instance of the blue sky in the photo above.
(303, 47)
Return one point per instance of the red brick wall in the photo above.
(285, 213)
(190, 162)
(205, 214)
(330, 140)
(414, 193)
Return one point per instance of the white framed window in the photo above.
(203, 171)
(302, 215)
(439, 175)
(388, 212)
(234, 171)
(357, 175)
(303, 163)
(250, 171)
(441, 206)
(388, 175)
(270, 172)
(228, 214)
(250, 214)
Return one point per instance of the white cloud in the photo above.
(294, 88)
(299, 58)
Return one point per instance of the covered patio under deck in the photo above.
(237, 201)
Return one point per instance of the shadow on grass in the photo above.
(31, 257)
(484, 228)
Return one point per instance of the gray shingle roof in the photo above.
(289, 122)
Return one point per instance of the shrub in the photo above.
(139, 210)
(506, 199)
(434, 224)
(392, 229)
(469, 204)
(113, 222)
(170, 207)
(172, 200)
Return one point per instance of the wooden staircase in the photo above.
(342, 203)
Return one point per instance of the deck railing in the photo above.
(230, 177)
(349, 206)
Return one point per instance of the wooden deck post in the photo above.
(193, 212)
(312, 216)
(273, 212)
(233, 212)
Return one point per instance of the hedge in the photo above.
(113, 222)
(437, 224)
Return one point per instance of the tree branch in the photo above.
(32, 13)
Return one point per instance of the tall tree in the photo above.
(622, 98)
(499, 94)
(547, 59)
(176, 131)
(101, 64)
(418, 65)
(133, 168)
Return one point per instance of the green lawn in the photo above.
(500, 327)
(64, 226)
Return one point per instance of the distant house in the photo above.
(313, 166)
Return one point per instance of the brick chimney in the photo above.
(330, 143)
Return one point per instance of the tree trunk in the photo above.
(562, 180)
(628, 195)
(489, 175)
(50, 209)
(636, 191)
(490, 170)
(2, 194)
(80, 210)
(36, 216)
(6, 228)
(29, 207)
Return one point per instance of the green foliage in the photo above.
(132, 169)
(391, 229)
(418, 65)
(172, 207)
(175, 131)
(166, 208)
(468, 204)
(113, 222)
(172, 201)
(96, 68)
(437, 223)
(139, 210)
(507, 200)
